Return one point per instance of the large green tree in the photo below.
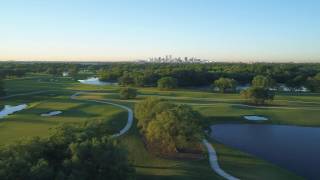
(225, 84)
(167, 126)
(127, 93)
(175, 129)
(167, 83)
(263, 81)
(313, 83)
(145, 111)
(257, 95)
(72, 152)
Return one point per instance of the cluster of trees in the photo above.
(70, 152)
(259, 92)
(168, 127)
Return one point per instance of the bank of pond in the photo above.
(291, 147)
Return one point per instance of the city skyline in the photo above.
(245, 30)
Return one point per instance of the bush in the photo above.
(167, 83)
(128, 93)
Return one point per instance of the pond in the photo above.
(95, 81)
(294, 148)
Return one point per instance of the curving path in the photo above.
(213, 159)
(130, 113)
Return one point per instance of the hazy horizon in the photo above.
(243, 30)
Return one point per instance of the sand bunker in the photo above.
(11, 109)
(52, 113)
(255, 118)
(95, 81)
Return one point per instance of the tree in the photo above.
(73, 72)
(2, 91)
(313, 83)
(98, 159)
(71, 152)
(295, 83)
(128, 93)
(175, 129)
(126, 79)
(167, 83)
(169, 127)
(144, 111)
(257, 95)
(225, 84)
(263, 81)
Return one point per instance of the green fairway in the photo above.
(215, 107)
(29, 122)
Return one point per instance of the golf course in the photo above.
(44, 93)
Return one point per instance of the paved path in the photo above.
(130, 113)
(213, 159)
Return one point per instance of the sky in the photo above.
(115, 30)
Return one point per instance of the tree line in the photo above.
(293, 75)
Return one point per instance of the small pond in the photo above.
(95, 81)
(294, 148)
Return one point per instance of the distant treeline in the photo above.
(196, 75)
(187, 75)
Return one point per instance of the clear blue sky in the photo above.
(237, 30)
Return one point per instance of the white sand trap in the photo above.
(11, 109)
(95, 81)
(52, 113)
(255, 118)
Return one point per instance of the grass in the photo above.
(29, 122)
(221, 108)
